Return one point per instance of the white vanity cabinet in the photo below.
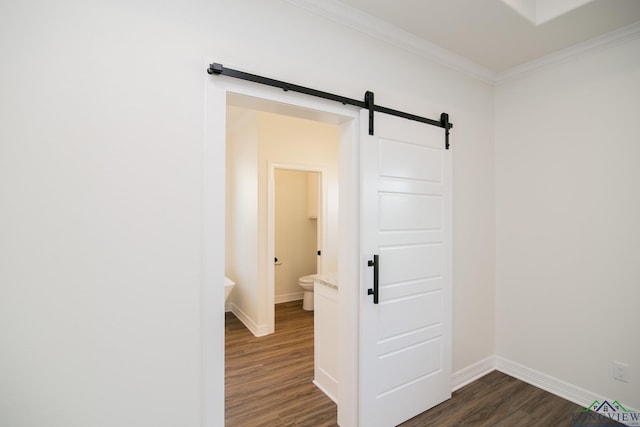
(325, 324)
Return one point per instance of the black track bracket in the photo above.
(370, 105)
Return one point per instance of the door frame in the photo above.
(271, 233)
(212, 294)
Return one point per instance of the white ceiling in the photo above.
(488, 33)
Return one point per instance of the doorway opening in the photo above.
(296, 206)
(346, 121)
(260, 145)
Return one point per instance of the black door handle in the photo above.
(376, 265)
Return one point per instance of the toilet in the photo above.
(306, 283)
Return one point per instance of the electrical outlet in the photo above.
(621, 371)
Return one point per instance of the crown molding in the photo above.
(391, 34)
(384, 31)
(612, 38)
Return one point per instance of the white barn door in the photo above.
(406, 216)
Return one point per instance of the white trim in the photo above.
(325, 391)
(472, 372)
(382, 30)
(295, 296)
(256, 329)
(546, 382)
(349, 296)
(612, 38)
(212, 317)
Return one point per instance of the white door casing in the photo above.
(406, 219)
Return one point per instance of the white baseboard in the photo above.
(295, 296)
(325, 391)
(560, 388)
(563, 389)
(472, 372)
(256, 329)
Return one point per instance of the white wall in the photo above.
(568, 209)
(295, 233)
(101, 182)
(241, 251)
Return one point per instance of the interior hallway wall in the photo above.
(568, 209)
(241, 233)
(102, 192)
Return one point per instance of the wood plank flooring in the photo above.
(268, 379)
(268, 383)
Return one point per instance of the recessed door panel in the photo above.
(405, 263)
(409, 313)
(410, 212)
(407, 365)
(401, 159)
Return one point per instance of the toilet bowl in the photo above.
(306, 283)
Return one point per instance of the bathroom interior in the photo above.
(296, 225)
(281, 218)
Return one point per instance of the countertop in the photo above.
(327, 279)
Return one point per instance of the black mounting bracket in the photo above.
(370, 105)
(444, 122)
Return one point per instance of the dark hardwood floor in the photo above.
(268, 383)
(500, 400)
